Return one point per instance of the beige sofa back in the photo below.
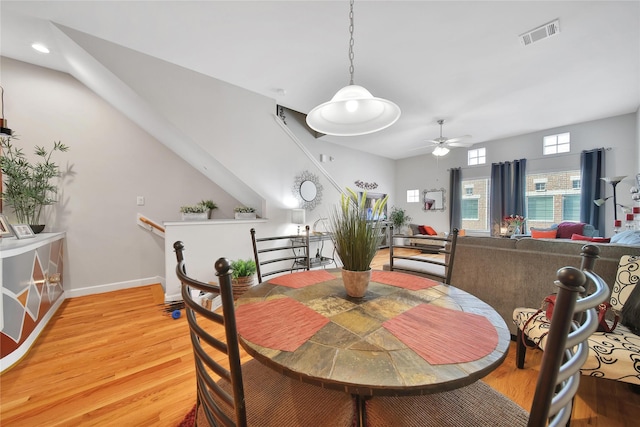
(510, 273)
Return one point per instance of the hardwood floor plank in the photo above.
(116, 359)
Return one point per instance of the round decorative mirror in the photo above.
(308, 190)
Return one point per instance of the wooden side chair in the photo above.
(435, 268)
(480, 405)
(251, 394)
(280, 254)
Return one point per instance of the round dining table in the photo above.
(408, 335)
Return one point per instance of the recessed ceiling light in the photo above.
(40, 47)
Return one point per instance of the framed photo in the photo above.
(5, 228)
(22, 231)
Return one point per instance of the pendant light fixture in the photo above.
(4, 130)
(353, 110)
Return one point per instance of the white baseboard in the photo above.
(109, 287)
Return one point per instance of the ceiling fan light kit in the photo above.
(353, 110)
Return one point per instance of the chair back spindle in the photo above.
(280, 254)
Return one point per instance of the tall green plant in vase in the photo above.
(357, 234)
(28, 186)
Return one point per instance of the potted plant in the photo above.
(244, 212)
(209, 204)
(357, 238)
(243, 271)
(399, 218)
(28, 186)
(194, 212)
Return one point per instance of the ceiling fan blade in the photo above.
(424, 147)
(461, 144)
(458, 138)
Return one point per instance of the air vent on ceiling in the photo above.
(542, 32)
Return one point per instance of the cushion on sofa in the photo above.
(590, 239)
(546, 234)
(414, 229)
(429, 230)
(568, 229)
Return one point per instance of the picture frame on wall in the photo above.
(23, 231)
(5, 227)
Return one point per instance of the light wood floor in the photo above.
(115, 359)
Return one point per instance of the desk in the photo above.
(305, 326)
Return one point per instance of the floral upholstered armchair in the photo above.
(612, 355)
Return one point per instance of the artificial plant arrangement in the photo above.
(202, 207)
(399, 218)
(28, 185)
(355, 237)
(242, 271)
(244, 209)
(242, 268)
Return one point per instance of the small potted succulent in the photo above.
(244, 212)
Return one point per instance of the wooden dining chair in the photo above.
(280, 254)
(480, 405)
(437, 268)
(251, 394)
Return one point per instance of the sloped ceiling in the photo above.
(461, 61)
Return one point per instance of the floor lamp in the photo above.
(614, 180)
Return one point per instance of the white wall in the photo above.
(112, 161)
(619, 133)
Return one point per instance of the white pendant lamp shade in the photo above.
(353, 111)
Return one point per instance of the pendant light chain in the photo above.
(351, 42)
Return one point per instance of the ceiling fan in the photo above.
(442, 143)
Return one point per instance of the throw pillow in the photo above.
(421, 229)
(414, 229)
(548, 234)
(430, 231)
(568, 229)
(601, 239)
(581, 237)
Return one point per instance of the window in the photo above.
(475, 204)
(575, 183)
(571, 207)
(470, 209)
(553, 197)
(477, 156)
(555, 144)
(540, 208)
(413, 196)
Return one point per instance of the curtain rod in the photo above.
(538, 158)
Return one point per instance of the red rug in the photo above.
(189, 420)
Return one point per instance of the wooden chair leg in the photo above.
(521, 350)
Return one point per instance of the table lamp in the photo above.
(298, 217)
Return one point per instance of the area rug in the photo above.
(189, 420)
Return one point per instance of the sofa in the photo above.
(564, 230)
(423, 243)
(510, 273)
